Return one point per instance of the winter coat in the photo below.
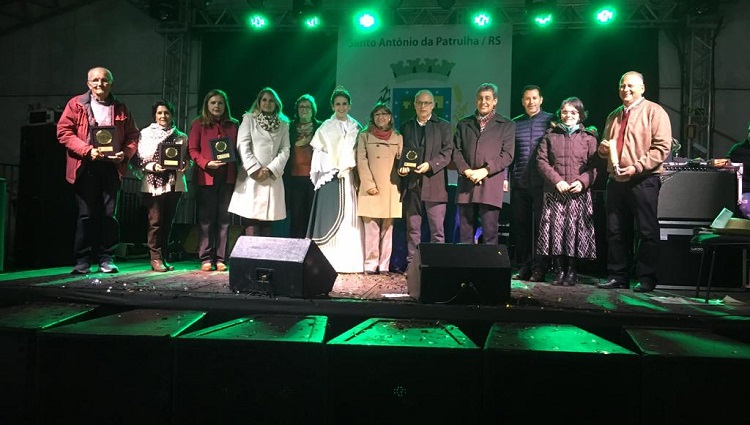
(377, 161)
(492, 148)
(561, 156)
(257, 148)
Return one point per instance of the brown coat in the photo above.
(376, 164)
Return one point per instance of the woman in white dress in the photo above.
(334, 224)
(263, 149)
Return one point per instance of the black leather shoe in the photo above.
(523, 274)
(537, 276)
(643, 287)
(612, 284)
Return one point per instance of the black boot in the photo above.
(571, 276)
(559, 271)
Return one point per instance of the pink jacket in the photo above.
(73, 132)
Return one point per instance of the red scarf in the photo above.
(381, 134)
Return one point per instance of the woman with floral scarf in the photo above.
(161, 187)
(263, 150)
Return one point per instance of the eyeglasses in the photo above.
(102, 81)
(419, 103)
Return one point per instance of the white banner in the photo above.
(450, 60)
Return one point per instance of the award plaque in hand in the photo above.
(223, 150)
(410, 158)
(105, 139)
(171, 156)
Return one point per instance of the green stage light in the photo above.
(481, 19)
(257, 21)
(312, 21)
(366, 20)
(543, 19)
(605, 15)
(541, 12)
(308, 12)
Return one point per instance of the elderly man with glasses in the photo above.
(425, 185)
(100, 136)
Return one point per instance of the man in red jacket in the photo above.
(100, 136)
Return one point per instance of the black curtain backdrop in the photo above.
(292, 63)
(587, 64)
(583, 63)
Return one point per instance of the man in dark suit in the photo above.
(484, 149)
(425, 187)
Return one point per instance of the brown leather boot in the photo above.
(158, 266)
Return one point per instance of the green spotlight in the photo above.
(257, 21)
(312, 21)
(481, 19)
(543, 19)
(541, 12)
(605, 15)
(367, 20)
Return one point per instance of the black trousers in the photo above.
(526, 205)
(299, 194)
(414, 209)
(97, 232)
(214, 219)
(473, 215)
(161, 212)
(632, 212)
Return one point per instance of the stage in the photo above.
(469, 362)
(364, 296)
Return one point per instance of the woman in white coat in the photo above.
(263, 149)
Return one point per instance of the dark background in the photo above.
(583, 63)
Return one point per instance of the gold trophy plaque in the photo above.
(172, 156)
(105, 139)
(410, 158)
(223, 150)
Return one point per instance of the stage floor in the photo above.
(595, 333)
(362, 296)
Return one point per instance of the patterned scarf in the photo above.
(304, 133)
(270, 123)
(148, 151)
(483, 120)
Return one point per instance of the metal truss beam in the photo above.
(698, 92)
(571, 14)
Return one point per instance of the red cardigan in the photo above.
(200, 149)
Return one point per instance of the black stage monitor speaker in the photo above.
(698, 195)
(280, 266)
(459, 274)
